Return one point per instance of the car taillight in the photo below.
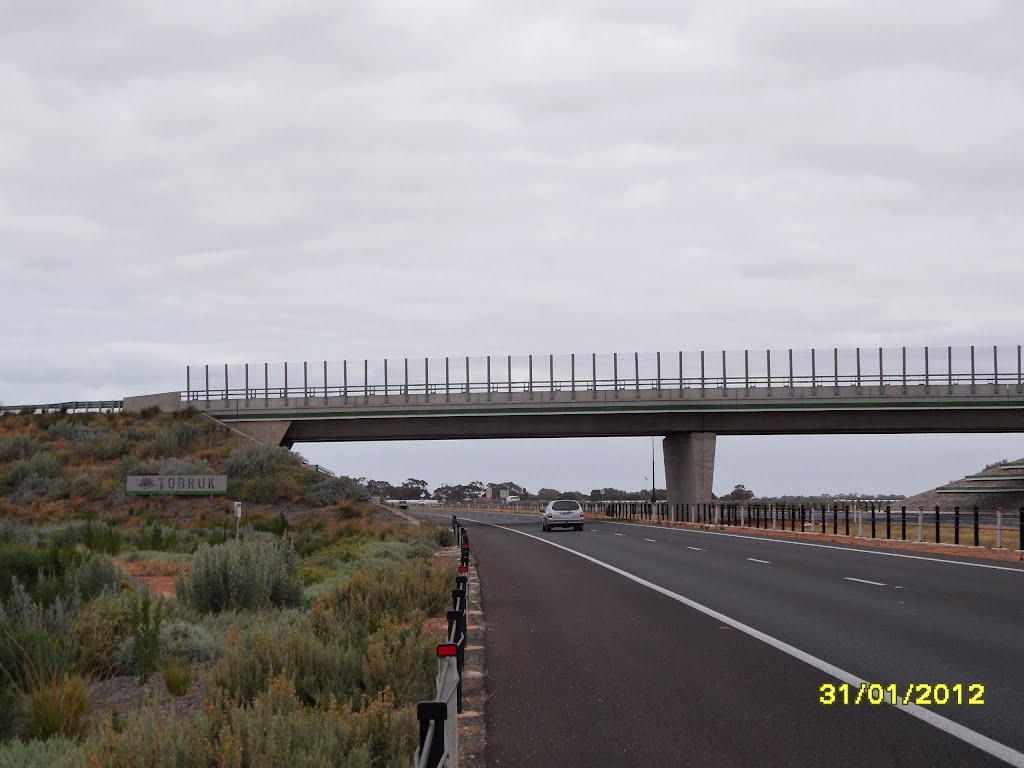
(549, 515)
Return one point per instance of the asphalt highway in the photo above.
(631, 645)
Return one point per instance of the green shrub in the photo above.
(22, 562)
(101, 537)
(187, 642)
(314, 574)
(113, 447)
(76, 432)
(266, 489)
(176, 438)
(39, 754)
(146, 635)
(97, 631)
(86, 485)
(331, 490)
(43, 465)
(251, 460)
(15, 447)
(402, 658)
(382, 591)
(241, 575)
(319, 669)
(274, 730)
(57, 707)
(177, 677)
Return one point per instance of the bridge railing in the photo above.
(495, 376)
(73, 406)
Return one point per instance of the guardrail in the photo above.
(438, 719)
(593, 373)
(74, 406)
(984, 528)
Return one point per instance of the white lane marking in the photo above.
(653, 541)
(696, 549)
(755, 560)
(865, 581)
(828, 546)
(618, 534)
(593, 530)
(975, 739)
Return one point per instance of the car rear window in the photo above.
(565, 506)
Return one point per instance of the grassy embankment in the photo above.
(306, 643)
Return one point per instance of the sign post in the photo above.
(238, 517)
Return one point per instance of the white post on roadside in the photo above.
(999, 527)
(860, 521)
(238, 517)
(774, 515)
(920, 525)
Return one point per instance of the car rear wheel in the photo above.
(578, 527)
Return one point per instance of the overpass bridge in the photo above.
(689, 398)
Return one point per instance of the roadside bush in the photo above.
(101, 537)
(331, 490)
(16, 447)
(146, 635)
(382, 591)
(319, 669)
(113, 447)
(76, 432)
(402, 658)
(177, 677)
(41, 465)
(175, 438)
(34, 487)
(274, 730)
(97, 631)
(251, 460)
(241, 575)
(266, 489)
(188, 642)
(22, 562)
(39, 754)
(86, 485)
(314, 574)
(57, 707)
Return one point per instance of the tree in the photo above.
(413, 489)
(381, 488)
(739, 493)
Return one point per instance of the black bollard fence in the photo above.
(431, 713)
(846, 513)
(903, 523)
(977, 541)
(872, 520)
(956, 525)
(938, 530)
(888, 521)
(835, 519)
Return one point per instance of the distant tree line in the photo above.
(450, 493)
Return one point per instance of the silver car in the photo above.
(562, 513)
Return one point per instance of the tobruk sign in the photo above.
(198, 485)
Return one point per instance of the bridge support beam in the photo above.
(270, 432)
(689, 466)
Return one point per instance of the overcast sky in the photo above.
(209, 182)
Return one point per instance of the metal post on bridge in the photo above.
(615, 373)
(467, 379)
(995, 367)
(551, 376)
(572, 374)
(927, 371)
(286, 382)
(508, 360)
(835, 367)
(188, 383)
(725, 376)
(226, 388)
(973, 390)
(702, 373)
(593, 363)
(406, 380)
(858, 370)
(305, 382)
(746, 371)
(266, 384)
(366, 381)
(207, 386)
(636, 372)
(488, 378)
(814, 376)
(949, 368)
(790, 369)
(657, 357)
(326, 393)
(881, 371)
(344, 380)
(246, 381)
(447, 382)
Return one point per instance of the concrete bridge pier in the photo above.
(689, 466)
